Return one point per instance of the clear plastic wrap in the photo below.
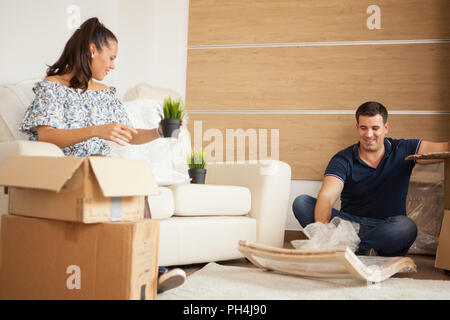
(337, 262)
(379, 268)
(373, 269)
(338, 232)
(425, 206)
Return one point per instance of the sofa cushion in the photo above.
(146, 91)
(5, 133)
(15, 98)
(161, 206)
(210, 200)
(187, 240)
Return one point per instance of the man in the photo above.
(372, 179)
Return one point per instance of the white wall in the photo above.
(299, 187)
(152, 38)
(33, 33)
(30, 36)
(153, 43)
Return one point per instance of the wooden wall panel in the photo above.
(213, 22)
(403, 77)
(307, 142)
(317, 76)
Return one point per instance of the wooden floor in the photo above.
(425, 264)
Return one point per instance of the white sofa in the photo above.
(199, 223)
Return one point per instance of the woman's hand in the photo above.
(116, 132)
(159, 130)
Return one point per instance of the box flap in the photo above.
(430, 155)
(119, 177)
(49, 173)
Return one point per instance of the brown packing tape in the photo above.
(71, 231)
(144, 265)
(80, 207)
(146, 261)
(447, 184)
(10, 199)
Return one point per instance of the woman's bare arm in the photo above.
(144, 136)
(118, 133)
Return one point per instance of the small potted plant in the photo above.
(173, 113)
(196, 163)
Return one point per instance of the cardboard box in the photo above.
(50, 259)
(443, 251)
(88, 190)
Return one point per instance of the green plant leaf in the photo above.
(196, 159)
(173, 109)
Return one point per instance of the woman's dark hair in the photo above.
(372, 108)
(76, 55)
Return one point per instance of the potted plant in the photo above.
(173, 113)
(196, 163)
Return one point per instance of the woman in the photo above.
(75, 112)
(78, 114)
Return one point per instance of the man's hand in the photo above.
(428, 146)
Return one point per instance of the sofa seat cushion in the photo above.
(161, 206)
(187, 240)
(210, 200)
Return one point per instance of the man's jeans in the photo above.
(389, 237)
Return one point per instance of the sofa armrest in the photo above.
(269, 183)
(29, 148)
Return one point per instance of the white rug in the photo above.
(218, 282)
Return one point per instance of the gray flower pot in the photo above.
(197, 175)
(170, 127)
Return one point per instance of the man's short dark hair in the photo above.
(372, 108)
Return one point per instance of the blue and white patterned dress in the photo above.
(62, 107)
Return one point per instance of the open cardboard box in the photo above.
(443, 251)
(50, 259)
(88, 190)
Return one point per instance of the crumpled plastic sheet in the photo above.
(425, 206)
(376, 263)
(338, 232)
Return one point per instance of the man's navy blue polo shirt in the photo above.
(375, 192)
